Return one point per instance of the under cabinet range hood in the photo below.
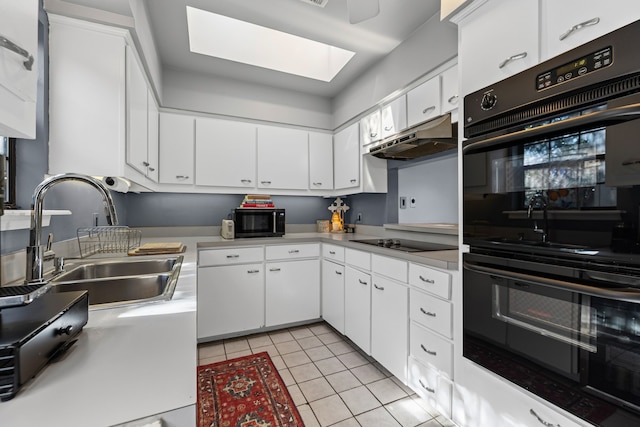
(426, 138)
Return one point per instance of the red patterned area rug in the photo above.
(244, 392)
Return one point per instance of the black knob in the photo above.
(488, 101)
(65, 331)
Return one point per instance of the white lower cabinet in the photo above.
(292, 291)
(357, 301)
(389, 324)
(431, 386)
(230, 299)
(333, 294)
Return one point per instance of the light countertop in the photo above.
(136, 361)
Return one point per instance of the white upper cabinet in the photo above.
(137, 124)
(393, 116)
(496, 41)
(18, 68)
(225, 153)
(283, 158)
(423, 102)
(450, 92)
(176, 149)
(570, 23)
(320, 161)
(370, 128)
(153, 135)
(346, 158)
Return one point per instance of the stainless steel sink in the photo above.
(122, 281)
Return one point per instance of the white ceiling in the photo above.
(372, 39)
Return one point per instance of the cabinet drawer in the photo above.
(333, 252)
(390, 267)
(431, 349)
(292, 251)
(431, 312)
(430, 280)
(431, 386)
(358, 259)
(230, 256)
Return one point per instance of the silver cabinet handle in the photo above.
(253, 271)
(429, 109)
(431, 281)
(381, 288)
(579, 26)
(453, 100)
(145, 163)
(182, 176)
(339, 273)
(430, 352)
(373, 134)
(361, 282)
(543, 422)
(274, 269)
(294, 251)
(388, 128)
(151, 169)
(8, 44)
(354, 180)
(332, 252)
(245, 181)
(265, 182)
(427, 313)
(233, 256)
(429, 389)
(317, 183)
(512, 58)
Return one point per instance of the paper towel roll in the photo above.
(116, 183)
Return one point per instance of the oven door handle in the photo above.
(574, 124)
(624, 294)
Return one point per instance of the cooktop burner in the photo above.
(406, 245)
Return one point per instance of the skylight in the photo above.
(228, 38)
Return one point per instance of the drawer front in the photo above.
(293, 251)
(228, 256)
(358, 259)
(431, 349)
(431, 386)
(430, 280)
(333, 252)
(432, 312)
(390, 267)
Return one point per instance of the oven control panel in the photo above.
(574, 69)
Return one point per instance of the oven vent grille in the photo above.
(7, 373)
(559, 105)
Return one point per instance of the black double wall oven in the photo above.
(551, 283)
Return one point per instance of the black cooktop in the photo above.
(406, 245)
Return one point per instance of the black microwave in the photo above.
(258, 222)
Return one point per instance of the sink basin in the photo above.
(115, 268)
(116, 282)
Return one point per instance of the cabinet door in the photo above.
(346, 158)
(370, 128)
(225, 153)
(333, 294)
(176, 149)
(394, 116)
(450, 92)
(389, 325)
(18, 76)
(571, 23)
(230, 299)
(423, 102)
(357, 302)
(320, 161)
(153, 154)
(283, 158)
(137, 125)
(494, 52)
(292, 291)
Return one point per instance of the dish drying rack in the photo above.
(107, 240)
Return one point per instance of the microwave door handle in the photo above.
(274, 221)
(629, 295)
(574, 124)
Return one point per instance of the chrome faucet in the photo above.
(35, 250)
(538, 200)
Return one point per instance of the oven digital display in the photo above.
(577, 68)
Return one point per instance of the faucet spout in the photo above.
(538, 200)
(35, 251)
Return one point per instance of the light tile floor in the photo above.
(330, 380)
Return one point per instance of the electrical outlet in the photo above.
(359, 218)
(412, 202)
(403, 202)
